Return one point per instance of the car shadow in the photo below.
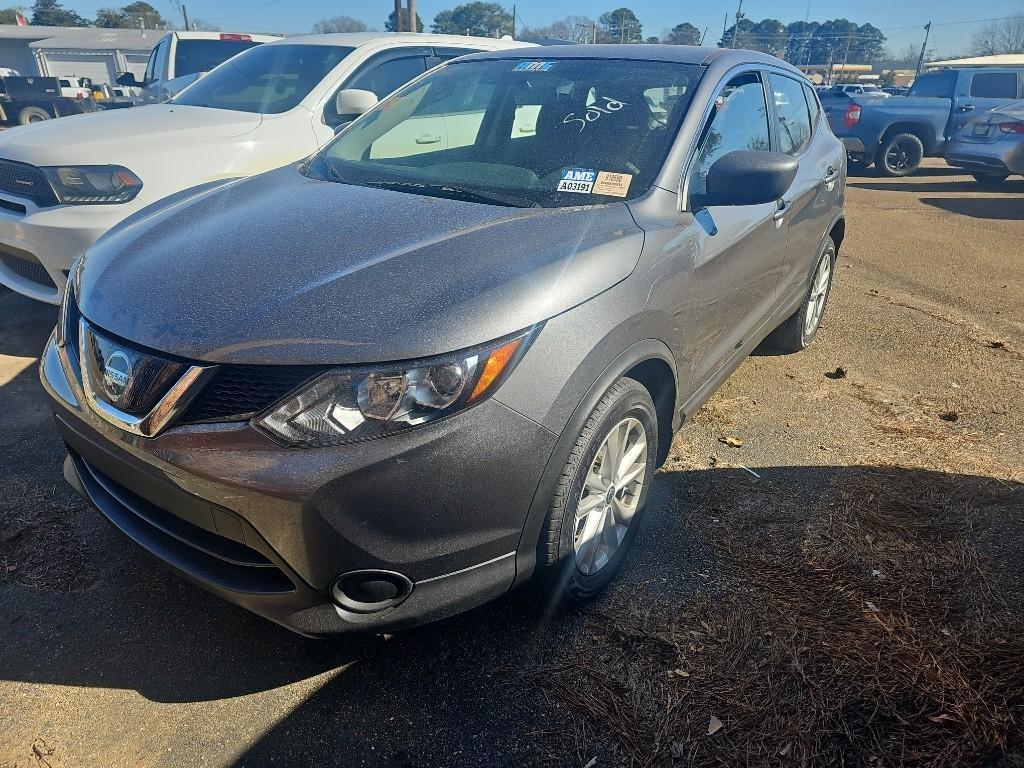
(993, 208)
(965, 184)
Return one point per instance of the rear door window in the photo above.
(935, 84)
(994, 85)
(792, 120)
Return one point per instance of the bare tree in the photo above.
(996, 37)
(338, 24)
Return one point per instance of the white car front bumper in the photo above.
(37, 245)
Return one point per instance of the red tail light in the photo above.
(79, 97)
(1014, 127)
(852, 116)
(236, 37)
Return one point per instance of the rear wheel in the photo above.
(601, 494)
(32, 115)
(990, 179)
(802, 326)
(901, 155)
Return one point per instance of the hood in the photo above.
(281, 268)
(120, 135)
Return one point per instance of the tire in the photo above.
(901, 154)
(32, 115)
(798, 331)
(571, 564)
(990, 179)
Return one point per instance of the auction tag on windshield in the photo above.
(577, 180)
(614, 184)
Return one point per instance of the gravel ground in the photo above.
(906, 462)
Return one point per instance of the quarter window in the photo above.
(792, 121)
(739, 121)
(994, 85)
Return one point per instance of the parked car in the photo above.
(26, 100)
(855, 89)
(270, 105)
(441, 356)
(990, 145)
(76, 87)
(181, 58)
(897, 134)
(896, 90)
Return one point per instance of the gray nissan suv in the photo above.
(446, 354)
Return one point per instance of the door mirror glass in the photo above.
(350, 103)
(127, 79)
(749, 177)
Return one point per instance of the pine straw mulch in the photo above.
(860, 627)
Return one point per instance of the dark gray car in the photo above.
(447, 353)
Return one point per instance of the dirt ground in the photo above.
(845, 588)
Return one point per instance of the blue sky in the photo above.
(901, 21)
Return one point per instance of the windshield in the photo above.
(191, 56)
(513, 132)
(269, 79)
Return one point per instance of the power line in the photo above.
(243, 13)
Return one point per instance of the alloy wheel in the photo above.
(610, 495)
(818, 295)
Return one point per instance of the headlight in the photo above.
(93, 184)
(350, 404)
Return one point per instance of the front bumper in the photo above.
(37, 245)
(271, 528)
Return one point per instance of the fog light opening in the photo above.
(370, 591)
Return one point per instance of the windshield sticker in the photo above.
(576, 180)
(534, 66)
(614, 184)
(594, 112)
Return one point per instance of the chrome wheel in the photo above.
(610, 495)
(819, 292)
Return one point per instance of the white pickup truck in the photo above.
(64, 183)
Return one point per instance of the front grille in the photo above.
(238, 392)
(26, 180)
(146, 377)
(199, 552)
(27, 266)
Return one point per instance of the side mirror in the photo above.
(749, 177)
(127, 79)
(352, 102)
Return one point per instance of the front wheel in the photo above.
(601, 494)
(799, 330)
(901, 155)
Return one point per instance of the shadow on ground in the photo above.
(993, 208)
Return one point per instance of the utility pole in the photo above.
(413, 26)
(846, 54)
(184, 15)
(725, 24)
(398, 16)
(622, 27)
(736, 26)
(703, 35)
(920, 59)
(513, 19)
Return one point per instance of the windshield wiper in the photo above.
(456, 193)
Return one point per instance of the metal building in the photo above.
(76, 51)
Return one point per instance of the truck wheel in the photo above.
(901, 155)
(990, 179)
(32, 115)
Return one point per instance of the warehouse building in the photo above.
(76, 51)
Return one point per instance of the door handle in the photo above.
(781, 210)
(831, 175)
(428, 138)
(965, 108)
